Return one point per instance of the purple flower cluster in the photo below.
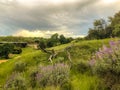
(107, 55)
(52, 74)
(106, 64)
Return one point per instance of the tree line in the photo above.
(6, 49)
(54, 40)
(105, 29)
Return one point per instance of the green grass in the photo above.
(81, 51)
(84, 82)
(29, 56)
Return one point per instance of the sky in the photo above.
(42, 18)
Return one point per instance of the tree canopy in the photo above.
(104, 29)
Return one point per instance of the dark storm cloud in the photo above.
(76, 17)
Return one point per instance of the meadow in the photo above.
(20, 70)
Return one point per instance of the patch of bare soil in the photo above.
(2, 61)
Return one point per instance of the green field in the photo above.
(81, 51)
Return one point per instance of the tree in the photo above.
(116, 31)
(115, 19)
(92, 34)
(62, 39)
(115, 24)
(6, 49)
(42, 45)
(54, 39)
(100, 30)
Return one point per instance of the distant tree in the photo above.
(115, 24)
(116, 31)
(62, 39)
(100, 30)
(69, 39)
(6, 49)
(92, 34)
(55, 39)
(42, 44)
(115, 19)
(55, 36)
(50, 43)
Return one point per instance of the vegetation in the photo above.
(28, 66)
(5, 50)
(55, 40)
(103, 29)
(106, 63)
(62, 63)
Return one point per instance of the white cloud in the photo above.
(40, 16)
(45, 34)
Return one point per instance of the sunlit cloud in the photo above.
(46, 34)
(109, 1)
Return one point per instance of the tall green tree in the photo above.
(99, 30)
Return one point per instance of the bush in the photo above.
(66, 86)
(5, 50)
(52, 75)
(33, 75)
(21, 44)
(17, 50)
(82, 67)
(106, 64)
(15, 82)
(20, 66)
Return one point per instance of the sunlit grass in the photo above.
(81, 51)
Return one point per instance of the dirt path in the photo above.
(1, 61)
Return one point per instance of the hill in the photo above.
(79, 76)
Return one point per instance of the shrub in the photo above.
(59, 59)
(82, 67)
(66, 86)
(15, 82)
(52, 75)
(17, 50)
(33, 75)
(6, 49)
(20, 66)
(106, 64)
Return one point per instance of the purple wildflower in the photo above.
(92, 62)
(112, 43)
(99, 55)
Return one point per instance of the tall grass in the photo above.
(81, 51)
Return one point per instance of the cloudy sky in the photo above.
(45, 17)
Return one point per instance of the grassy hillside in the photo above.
(81, 51)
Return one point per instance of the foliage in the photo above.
(103, 29)
(116, 31)
(19, 39)
(82, 67)
(100, 30)
(55, 75)
(17, 50)
(106, 63)
(42, 44)
(15, 82)
(20, 66)
(81, 51)
(54, 40)
(6, 49)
